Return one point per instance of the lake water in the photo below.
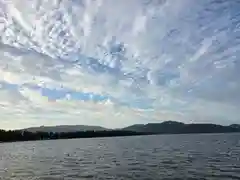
(143, 157)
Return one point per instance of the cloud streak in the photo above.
(116, 63)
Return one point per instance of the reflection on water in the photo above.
(147, 157)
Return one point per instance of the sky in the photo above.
(116, 63)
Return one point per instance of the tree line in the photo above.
(12, 136)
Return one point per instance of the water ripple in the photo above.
(152, 157)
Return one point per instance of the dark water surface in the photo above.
(144, 157)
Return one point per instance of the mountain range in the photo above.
(167, 127)
(173, 127)
(65, 128)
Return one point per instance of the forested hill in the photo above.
(167, 127)
(65, 128)
(173, 127)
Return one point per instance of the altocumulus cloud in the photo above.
(115, 63)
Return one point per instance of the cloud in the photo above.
(62, 60)
(32, 105)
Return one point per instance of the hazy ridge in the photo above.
(65, 128)
(164, 127)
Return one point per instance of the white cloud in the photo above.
(182, 63)
(64, 111)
